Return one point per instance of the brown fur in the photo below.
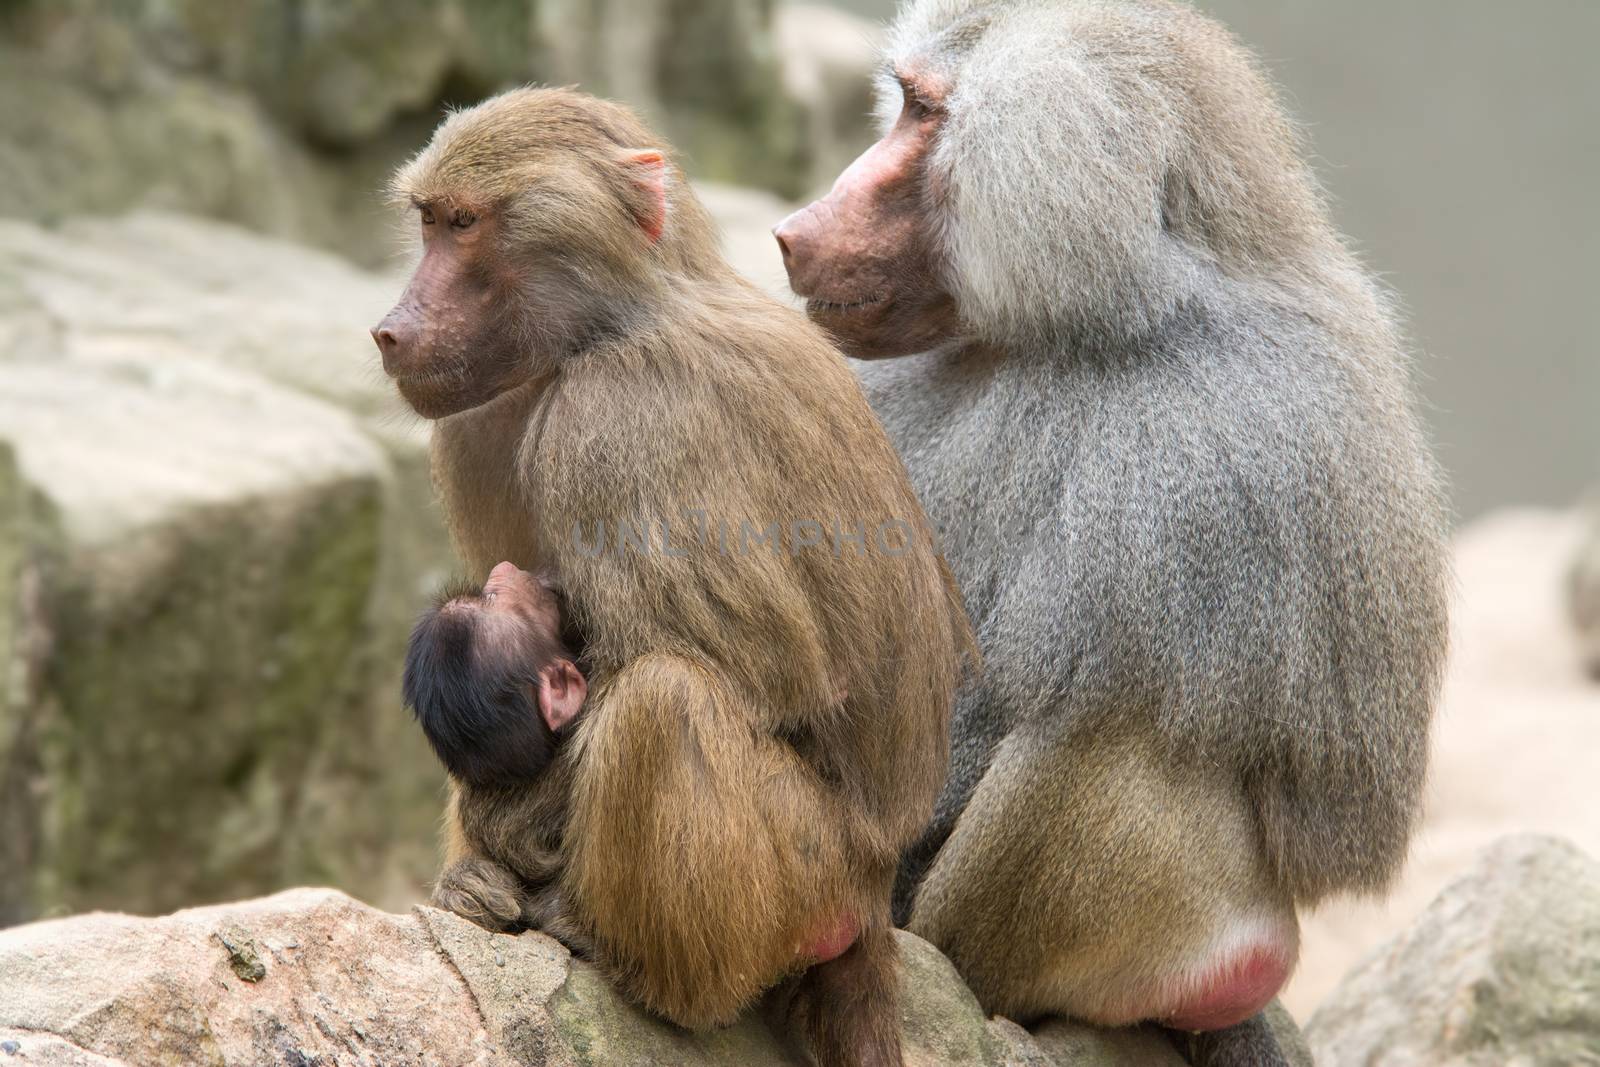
(725, 802)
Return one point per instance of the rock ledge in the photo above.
(313, 978)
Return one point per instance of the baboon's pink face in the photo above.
(523, 598)
(864, 256)
(446, 343)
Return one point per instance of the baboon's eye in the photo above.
(462, 219)
(427, 216)
(913, 104)
(917, 105)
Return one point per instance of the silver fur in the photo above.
(1176, 461)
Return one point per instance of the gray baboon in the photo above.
(772, 651)
(1161, 418)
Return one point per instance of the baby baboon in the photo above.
(493, 683)
(1161, 418)
(772, 643)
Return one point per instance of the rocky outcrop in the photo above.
(214, 528)
(1503, 968)
(288, 117)
(311, 977)
(95, 123)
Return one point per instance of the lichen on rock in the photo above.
(242, 954)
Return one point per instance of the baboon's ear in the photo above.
(647, 169)
(562, 691)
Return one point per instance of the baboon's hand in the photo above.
(481, 891)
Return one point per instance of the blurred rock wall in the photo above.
(287, 115)
(214, 530)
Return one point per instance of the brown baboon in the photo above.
(1161, 419)
(772, 643)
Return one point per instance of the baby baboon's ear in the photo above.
(647, 169)
(562, 691)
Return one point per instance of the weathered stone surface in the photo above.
(157, 285)
(341, 73)
(23, 639)
(1503, 968)
(207, 543)
(215, 532)
(343, 983)
(328, 980)
(93, 126)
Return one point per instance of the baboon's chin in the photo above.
(432, 399)
(852, 323)
(887, 328)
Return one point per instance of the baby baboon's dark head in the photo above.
(490, 680)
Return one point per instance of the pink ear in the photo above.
(562, 691)
(649, 173)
